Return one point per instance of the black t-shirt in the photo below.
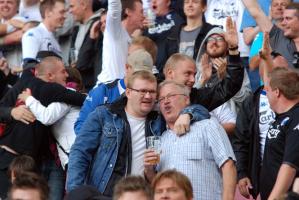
(282, 146)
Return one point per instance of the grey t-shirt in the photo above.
(281, 44)
(187, 41)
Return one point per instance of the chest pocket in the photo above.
(194, 150)
(109, 137)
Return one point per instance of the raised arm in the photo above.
(257, 13)
(212, 97)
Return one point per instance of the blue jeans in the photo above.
(56, 179)
(253, 75)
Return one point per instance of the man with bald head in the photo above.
(24, 135)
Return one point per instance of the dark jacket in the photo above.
(212, 97)
(32, 139)
(89, 61)
(173, 41)
(246, 141)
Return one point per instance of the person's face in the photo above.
(171, 101)
(183, 73)
(8, 8)
(216, 46)
(160, 7)
(167, 189)
(290, 23)
(277, 8)
(136, 16)
(57, 15)
(141, 97)
(133, 195)
(58, 74)
(25, 194)
(193, 8)
(76, 10)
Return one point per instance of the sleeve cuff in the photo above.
(29, 100)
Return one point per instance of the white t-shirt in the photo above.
(31, 13)
(224, 114)
(266, 117)
(218, 10)
(115, 45)
(39, 39)
(137, 126)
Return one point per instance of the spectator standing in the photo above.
(84, 43)
(123, 18)
(13, 142)
(285, 42)
(186, 39)
(128, 120)
(108, 93)
(41, 38)
(166, 19)
(280, 162)
(204, 154)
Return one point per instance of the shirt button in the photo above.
(110, 165)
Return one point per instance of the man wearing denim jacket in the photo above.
(111, 142)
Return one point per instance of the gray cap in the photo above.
(140, 60)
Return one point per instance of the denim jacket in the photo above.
(94, 154)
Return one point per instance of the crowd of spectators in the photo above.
(85, 83)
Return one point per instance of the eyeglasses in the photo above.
(168, 97)
(216, 39)
(143, 92)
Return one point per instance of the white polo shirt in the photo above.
(39, 39)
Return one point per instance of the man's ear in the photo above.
(48, 12)
(169, 74)
(277, 92)
(128, 93)
(128, 12)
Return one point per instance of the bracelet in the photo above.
(233, 48)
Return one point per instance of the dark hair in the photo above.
(22, 164)
(132, 184)
(29, 180)
(128, 4)
(74, 76)
(203, 3)
(294, 6)
(47, 4)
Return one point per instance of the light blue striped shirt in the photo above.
(199, 155)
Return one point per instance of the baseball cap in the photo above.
(140, 60)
